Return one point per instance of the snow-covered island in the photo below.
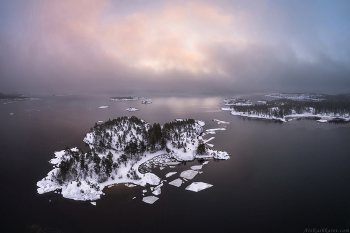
(124, 150)
(132, 109)
(128, 98)
(148, 101)
(320, 107)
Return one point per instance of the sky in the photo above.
(221, 46)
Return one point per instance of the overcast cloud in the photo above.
(221, 46)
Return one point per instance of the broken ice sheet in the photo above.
(157, 191)
(93, 203)
(176, 182)
(170, 174)
(188, 174)
(150, 199)
(198, 186)
(197, 167)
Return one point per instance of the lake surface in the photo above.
(281, 177)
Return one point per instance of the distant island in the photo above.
(13, 97)
(148, 101)
(285, 107)
(128, 98)
(123, 150)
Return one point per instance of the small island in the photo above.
(148, 101)
(128, 98)
(285, 107)
(16, 97)
(132, 109)
(124, 150)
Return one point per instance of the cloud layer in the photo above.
(66, 45)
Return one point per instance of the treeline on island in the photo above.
(120, 143)
(331, 104)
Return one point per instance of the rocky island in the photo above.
(124, 150)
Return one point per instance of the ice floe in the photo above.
(205, 141)
(221, 122)
(198, 186)
(197, 167)
(170, 174)
(150, 199)
(188, 174)
(93, 203)
(103, 107)
(176, 182)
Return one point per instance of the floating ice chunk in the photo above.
(130, 185)
(171, 163)
(150, 199)
(100, 122)
(213, 130)
(221, 122)
(211, 145)
(205, 162)
(197, 167)
(205, 141)
(103, 107)
(151, 179)
(201, 123)
(144, 191)
(176, 182)
(188, 174)
(93, 203)
(198, 186)
(170, 174)
(172, 166)
(322, 121)
(156, 191)
(200, 172)
(133, 198)
(161, 168)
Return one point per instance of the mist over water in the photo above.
(281, 177)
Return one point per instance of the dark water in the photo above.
(280, 178)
